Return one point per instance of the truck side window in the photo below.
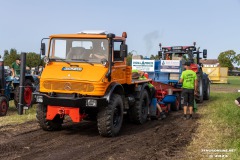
(116, 53)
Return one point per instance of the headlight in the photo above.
(39, 99)
(46, 59)
(91, 103)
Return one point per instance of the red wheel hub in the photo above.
(28, 95)
(3, 107)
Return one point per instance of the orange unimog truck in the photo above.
(86, 77)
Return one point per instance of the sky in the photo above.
(213, 24)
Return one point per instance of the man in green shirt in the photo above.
(16, 67)
(189, 88)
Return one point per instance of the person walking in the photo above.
(189, 89)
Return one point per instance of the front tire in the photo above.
(207, 91)
(48, 125)
(110, 118)
(3, 106)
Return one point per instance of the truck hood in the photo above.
(75, 72)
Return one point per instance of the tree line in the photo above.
(225, 59)
(228, 59)
(32, 59)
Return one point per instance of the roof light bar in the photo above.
(93, 32)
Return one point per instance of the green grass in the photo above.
(13, 117)
(219, 125)
(227, 118)
(233, 81)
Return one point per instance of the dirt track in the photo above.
(157, 139)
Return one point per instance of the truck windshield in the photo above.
(85, 50)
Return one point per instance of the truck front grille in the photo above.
(68, 86)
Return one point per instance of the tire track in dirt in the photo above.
(153, 140)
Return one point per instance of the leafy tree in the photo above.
(237, 59)
(10, 57)
(129, 59)
(33, 59)
(228, 58)
(6, 54)
(152, 57)
(157, 57)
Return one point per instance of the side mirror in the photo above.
(43, 48)
(204, 53)
(123, 50)
(159, 54)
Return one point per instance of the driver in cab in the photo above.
(99, 51)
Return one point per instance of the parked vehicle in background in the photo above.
(4, 100)
(13, 90)
(191, 54)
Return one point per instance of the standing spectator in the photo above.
(16, 67)
(189, 89)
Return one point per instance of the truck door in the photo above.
(119, 64)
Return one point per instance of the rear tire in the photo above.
(3, 106)
(48, 125)
(27, 97)
(139, 112)
(207, 91)
(199, 96)
(110, 118)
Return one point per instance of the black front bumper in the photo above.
(76, 102)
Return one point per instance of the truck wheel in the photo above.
(207, 91)
(3, 106)
(199, 96)
(138, 112)
(48, 125)
(27, 97)
(176, 106)
(110, 118)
